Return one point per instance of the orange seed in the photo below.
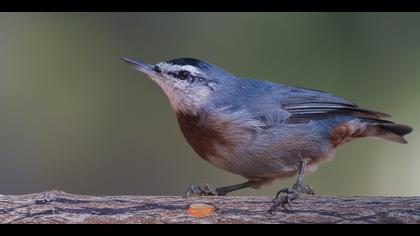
(201, 210)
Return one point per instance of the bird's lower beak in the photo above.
(140, 66)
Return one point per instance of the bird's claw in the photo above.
(200, 191)
(283, 190)
(291, 195)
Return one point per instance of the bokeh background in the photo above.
(74, 117)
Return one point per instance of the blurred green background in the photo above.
(74, 117)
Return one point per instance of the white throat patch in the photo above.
(183, 95)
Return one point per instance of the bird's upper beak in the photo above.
(140, 66)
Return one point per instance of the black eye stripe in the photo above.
(183, 74)
(157, 69)
(173, 74)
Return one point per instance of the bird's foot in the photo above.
(203, 191)
(291, 195)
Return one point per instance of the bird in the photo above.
(259, 129)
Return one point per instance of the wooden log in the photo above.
(59, 207)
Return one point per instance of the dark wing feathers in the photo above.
(303, 105)
(301, 113)
(279, 103)
(275, 104)
(327, 106)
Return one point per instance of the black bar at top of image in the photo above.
(209, 5)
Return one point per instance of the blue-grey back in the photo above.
(272, 101)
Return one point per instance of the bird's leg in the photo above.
(222, 191)
(293, 194)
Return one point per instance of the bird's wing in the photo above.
(287, 104)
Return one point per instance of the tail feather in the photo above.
(386, 130)
(394, 132)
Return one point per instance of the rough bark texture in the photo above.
(60, 207)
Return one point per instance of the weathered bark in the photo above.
(60, 207)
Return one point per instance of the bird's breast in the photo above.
(205, 135)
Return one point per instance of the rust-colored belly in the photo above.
(201, 135)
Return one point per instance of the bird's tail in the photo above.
(385, 130)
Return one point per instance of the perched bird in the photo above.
(259, 129)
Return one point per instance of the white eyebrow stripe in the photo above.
(192, 69)
(172, 67)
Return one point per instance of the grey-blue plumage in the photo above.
(259, 129)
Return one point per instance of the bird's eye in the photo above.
(157, 69)
(183, 75)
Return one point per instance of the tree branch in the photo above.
(60, 207)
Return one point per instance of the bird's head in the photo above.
(188, 83)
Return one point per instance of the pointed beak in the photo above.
(140, 66)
